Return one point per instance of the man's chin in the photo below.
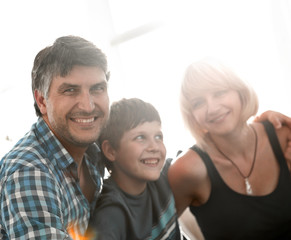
(83, 142)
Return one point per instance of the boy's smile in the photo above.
(150, 162)
(140, 156)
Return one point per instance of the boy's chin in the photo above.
(153, 177)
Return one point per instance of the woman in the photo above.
(236, 179)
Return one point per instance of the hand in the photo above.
(276, 118)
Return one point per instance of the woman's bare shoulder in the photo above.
(189, 180)
(188, 166)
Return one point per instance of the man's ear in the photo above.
(108, 150)
(40, 101)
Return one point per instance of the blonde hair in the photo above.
(210, 74)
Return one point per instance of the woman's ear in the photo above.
(108, 150)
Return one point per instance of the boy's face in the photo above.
(140, 156)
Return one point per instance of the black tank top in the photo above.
(231, 215)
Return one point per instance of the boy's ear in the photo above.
(108, 150)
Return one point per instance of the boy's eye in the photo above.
(159, 137)
(140, 137)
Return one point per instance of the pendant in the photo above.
(248, 187)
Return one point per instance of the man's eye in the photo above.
(98, 89)
(69, 90)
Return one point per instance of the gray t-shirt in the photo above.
(150, 215)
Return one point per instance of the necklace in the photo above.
(249, 190)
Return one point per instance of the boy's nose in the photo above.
(153, 146)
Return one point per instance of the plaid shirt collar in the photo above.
(50, 142)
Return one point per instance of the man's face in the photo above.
(77, 106)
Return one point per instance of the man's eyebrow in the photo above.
(67, 85)
(103, 83)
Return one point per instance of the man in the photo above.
(51, 179)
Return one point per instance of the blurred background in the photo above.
(149, 43)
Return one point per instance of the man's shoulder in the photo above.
(26, 150)
(28, 145)
(28, 153)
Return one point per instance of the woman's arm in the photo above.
(190, 226)
(188, 180)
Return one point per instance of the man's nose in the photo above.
(86, 102)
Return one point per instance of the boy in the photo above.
(136, 201)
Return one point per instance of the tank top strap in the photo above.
(211, 169)
(274, 141)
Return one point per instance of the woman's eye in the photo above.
(220, 93)
(197, 104)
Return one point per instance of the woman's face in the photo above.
(217, 111)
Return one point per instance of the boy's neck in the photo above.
(128, 185)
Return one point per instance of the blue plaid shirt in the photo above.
(39, 197)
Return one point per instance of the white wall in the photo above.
(252, 36)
